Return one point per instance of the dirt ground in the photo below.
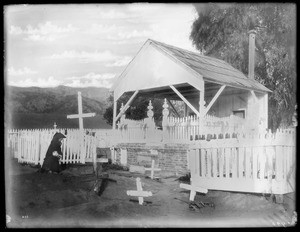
(41, 200)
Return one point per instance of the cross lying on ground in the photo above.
(152, 169)
(139, 193)
(193, 189)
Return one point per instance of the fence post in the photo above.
(82, 146)
(150, 123)
(165, 113)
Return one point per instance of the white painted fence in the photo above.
(30, 146)
(178, 129)
(260, 163)
(174, 129)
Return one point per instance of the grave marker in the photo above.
(139, 193)
(193, 189)
(80, 115)
(152, 169)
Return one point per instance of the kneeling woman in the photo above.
(51, 161)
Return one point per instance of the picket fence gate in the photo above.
(257, 163)
(30, 146)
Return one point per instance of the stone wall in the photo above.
(171, 158)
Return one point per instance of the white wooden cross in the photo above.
(193, 189)
(152, 169)
(80, 115)
(139, 193)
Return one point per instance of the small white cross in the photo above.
(152, 169)
(54, 125)
(139, 193)
(193, 189)
(80, 115)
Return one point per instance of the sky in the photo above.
(87, 44)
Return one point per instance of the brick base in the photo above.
(171, 158)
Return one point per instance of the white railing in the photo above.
(261, 163)
(178, 129)
(193, 128)
(181, 129)
(30, 146)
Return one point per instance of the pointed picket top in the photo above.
(54, 125)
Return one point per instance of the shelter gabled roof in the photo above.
(157, 66)
(212, 69)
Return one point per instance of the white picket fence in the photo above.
(259, 163)
(30, 146)
(177, 129)
(180, 129)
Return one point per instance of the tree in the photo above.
(221, 31)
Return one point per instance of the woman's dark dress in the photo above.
(51, 163)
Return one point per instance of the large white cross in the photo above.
(80, 115)
(193, 189)
(152, 169)
(139, 193)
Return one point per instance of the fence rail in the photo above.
(261, 163)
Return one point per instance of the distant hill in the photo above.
(35, 107)
(61, 99)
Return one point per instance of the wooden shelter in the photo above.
(206, 85)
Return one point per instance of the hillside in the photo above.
(33, 107)
(60, 99)
(41, 121)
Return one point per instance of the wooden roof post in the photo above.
(201, 108)
(185, 110)
(114, 114)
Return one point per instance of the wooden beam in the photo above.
(114, 114)
(214, 99)
(85, 115)
(173, 108)
(201, 104)
(185, 101)
(127, 105)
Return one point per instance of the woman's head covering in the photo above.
(57, 136)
